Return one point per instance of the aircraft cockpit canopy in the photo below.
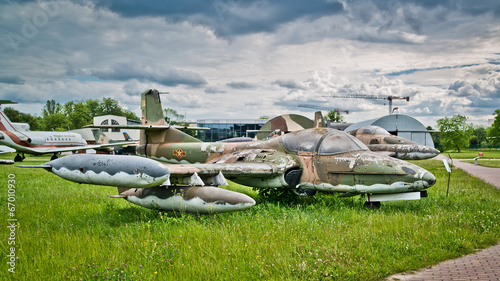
(321, 140)
(374, 130)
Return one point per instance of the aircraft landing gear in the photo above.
(372, 205)
(19, 158)
(54, 157)
(303, 192)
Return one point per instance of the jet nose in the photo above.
(428, 179)
(433, 152)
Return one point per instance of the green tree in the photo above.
(130, 115)
(434, 136)
(494, 130)
(55, 122)
(51, 107)
(68, 108)
(93, 106)
(54, 118)
(334, 116)
(109, 106)
(455, 132)
(478, 135)
(172, 116)
(79, 116)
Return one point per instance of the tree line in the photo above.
(68, 116)
(456, 134)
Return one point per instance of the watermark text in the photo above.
(11, 223)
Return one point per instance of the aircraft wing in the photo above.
(44, 150)
(6, 149)
(256, 169)
(215, 174)
(405, 151)
(138, 127)
(102, 169)
(146, 127)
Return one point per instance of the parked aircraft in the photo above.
(379, 139)
(102, 138)
(40, 142)
(179, 172)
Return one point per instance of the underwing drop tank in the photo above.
(145, 182)
(188, 199)
(112, 170)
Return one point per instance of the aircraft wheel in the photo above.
(372, 205)
(304, 192)
(18, 158)
(54, 157)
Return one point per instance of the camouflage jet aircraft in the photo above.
(181, 173)
(379, 139)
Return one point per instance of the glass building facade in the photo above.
(228, 128)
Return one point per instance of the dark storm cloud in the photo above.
(214, 90)
(241, 85)
(227, 17)
(167, 76)
(11, 79)
(121, 48)
(289, 84)
(466, 6)
(414, 70)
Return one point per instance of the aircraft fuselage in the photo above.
(314, 167)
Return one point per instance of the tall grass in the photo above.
(72, 231)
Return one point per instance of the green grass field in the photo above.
(485, 163)
(470, 154)
(69, 231)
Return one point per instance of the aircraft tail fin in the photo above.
(127, 136)
(100, 137)
(5, 123)
(152, 115)
(152, 111)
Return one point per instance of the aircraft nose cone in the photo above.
(434, 152)
(429, 179)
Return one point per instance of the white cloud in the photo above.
(260, 58)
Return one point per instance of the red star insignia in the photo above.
(179, 153)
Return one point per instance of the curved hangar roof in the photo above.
(400, 125)
(285, 123)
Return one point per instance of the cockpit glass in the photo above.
(374, 130)
(381, 131)
(332, 141)
(305, 140)
(339, 142)
(367, 131)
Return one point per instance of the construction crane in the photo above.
(323, 108)
(389, 98)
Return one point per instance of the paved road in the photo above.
(489, 175)
(483, 265)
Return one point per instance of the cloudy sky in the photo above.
(236, 59)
